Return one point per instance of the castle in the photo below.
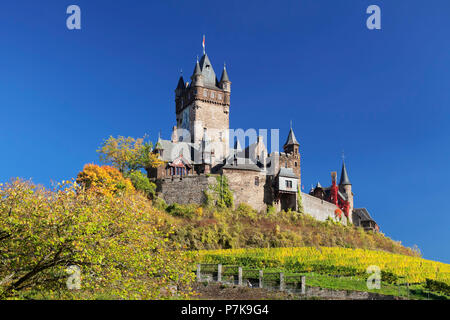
(199, 151)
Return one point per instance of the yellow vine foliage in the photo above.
(332, 260)
(104, 180)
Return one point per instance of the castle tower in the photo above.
(291, 145)
(292, 157)
(205, 105)
(346, 186)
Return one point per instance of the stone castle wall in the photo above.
(319, 208)
(248, 187)
(189, 189)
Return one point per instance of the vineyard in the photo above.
(334, 261)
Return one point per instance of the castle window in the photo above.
(220, 96)
(288, 184)
(256, 181)
(285, 164)
(213, 94)
(295, 163)
(205, 93)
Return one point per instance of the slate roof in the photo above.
(181, 84)
(197, 69)
(327, 190)
(291, 139)
(344, 177)
(224, 75)
(363, 214)
(287, 173)
(209, 76)
(171, 151)
(242, 164)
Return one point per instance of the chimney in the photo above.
(333, 177)
(174, 135)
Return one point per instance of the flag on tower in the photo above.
(203, 44)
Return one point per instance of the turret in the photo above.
(225, 82)
(180, 87)
(197, 77)
(291, 145)
(346, 186)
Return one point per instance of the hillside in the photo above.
(333, 270)
(198, 228)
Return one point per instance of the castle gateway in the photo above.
(199, 151)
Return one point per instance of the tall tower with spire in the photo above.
(204, 106)
(346, 186)
(291, 156)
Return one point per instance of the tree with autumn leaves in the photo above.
(118, 240)
(129, 154)
(98, 223)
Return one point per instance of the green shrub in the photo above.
(221, 192)
(271, 210)
(438, 286)
(299, 200)
(141, 182)
(245, 210)
(179, 210)
(160, 204)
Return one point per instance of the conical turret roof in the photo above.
(224, 75)
(344, 176)
(181, 84)
(291, 139)
(197, 69)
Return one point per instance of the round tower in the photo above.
(346, 186)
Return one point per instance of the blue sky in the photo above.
(382, 96)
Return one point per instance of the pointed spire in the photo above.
(344, 176)
(318, 185)
(181, 84)
(209, 76)
(197, 70)
(291, 140)
(224, 74)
